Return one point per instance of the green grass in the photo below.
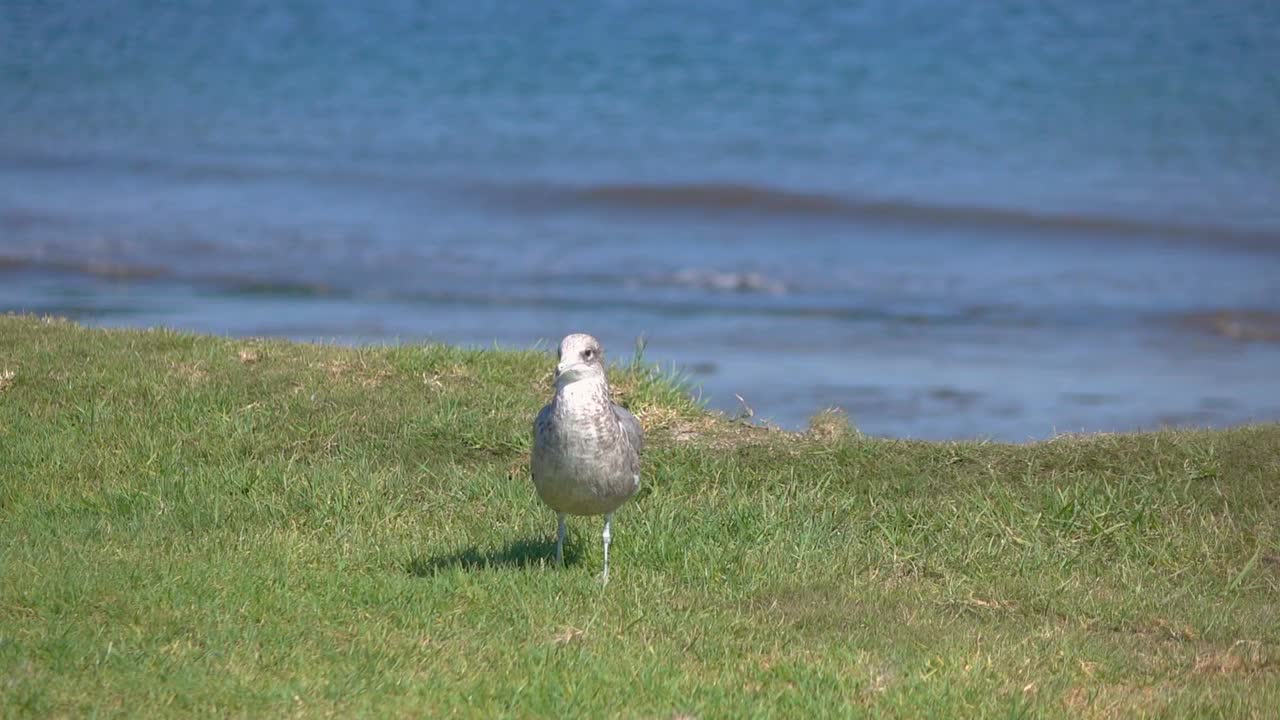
(197, 525)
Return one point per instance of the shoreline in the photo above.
(950, 403)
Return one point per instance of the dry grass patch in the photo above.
(706, 429)
(830, 425)
(449, 376)
(1117, 700)
(973, 604)
(360, 369)
(567, 635)
(1245, 656)
(191, 372)
(1162, 629)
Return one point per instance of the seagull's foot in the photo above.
(603, 578)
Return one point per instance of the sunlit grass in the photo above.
(197, 525)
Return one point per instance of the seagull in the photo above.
(586, 450)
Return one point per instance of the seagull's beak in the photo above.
(570, 371)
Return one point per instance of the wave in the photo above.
(762, 201)
(1240, 325)
(727, 296)
(719, 198)
(231, 166)
(719, 281)
(91, 268)
(730, 294)
(126, 272)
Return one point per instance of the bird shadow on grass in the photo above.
(522, 554)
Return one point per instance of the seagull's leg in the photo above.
(560, 533)
(608, 518)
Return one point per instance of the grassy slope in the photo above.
(203, 525)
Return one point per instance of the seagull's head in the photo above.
(580, 358)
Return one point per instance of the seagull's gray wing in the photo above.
(541, 428)
(630, 428)
(541, 422)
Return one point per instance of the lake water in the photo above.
(950, 219)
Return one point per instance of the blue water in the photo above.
(950, 219)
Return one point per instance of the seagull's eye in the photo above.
(586, 354)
